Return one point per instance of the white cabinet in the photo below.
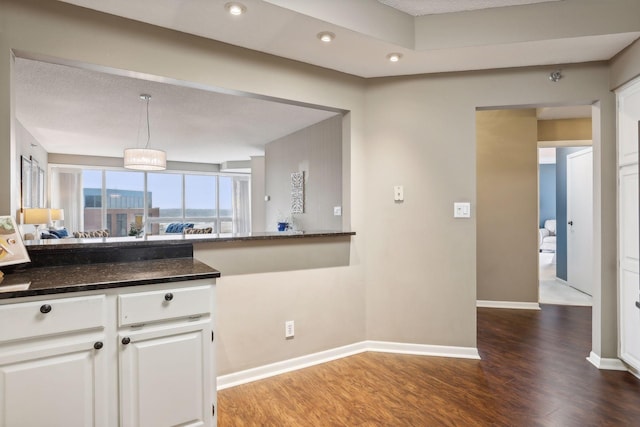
(134, 356)
(166, 358)
(163, 376)
(52, 363)
(59, 385)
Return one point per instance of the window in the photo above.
(125, 196)
(92, 194)
(113, 200)
(200, 200)
(165, 195)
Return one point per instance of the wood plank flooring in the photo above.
(533, 372)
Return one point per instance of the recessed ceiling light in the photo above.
(235, 8)
(394, 57)
(326, 36)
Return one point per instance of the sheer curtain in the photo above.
(66, 193)
(241, 205)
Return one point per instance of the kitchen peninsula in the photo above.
(123, 330)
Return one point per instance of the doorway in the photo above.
(553, 188)
(508, 222)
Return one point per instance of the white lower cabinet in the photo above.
(163, 376)
(59, 384)
(139, 356)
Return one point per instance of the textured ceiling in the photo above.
(75, 111)
(432, 7)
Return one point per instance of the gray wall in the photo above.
(411, 274)
(316, 151)
(507, 215)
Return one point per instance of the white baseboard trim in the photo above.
(277, 368)
(608, 364)
(423, 349)
(508, 304)
(272, 369)
(634, 373)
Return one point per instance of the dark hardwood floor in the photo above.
(533, 372)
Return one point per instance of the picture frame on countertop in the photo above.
(12, 249)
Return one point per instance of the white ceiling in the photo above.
(70, 110)
(431, 7)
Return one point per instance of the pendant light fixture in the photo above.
(146, 159)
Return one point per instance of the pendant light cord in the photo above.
(148, 127)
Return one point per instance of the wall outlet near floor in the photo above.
(289, 330)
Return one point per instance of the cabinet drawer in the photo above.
(49, 317)
(162, 305)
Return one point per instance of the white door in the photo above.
(580, 220)
(164, 376)
(60, 385)
(628, 224)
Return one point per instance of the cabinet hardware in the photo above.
(98, 345)
(45, 308)
(126, 340)
(213, 409)
(168, 296)
(638, 304)
(211, 335)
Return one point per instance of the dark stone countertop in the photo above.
(174, 239)
(88, 277)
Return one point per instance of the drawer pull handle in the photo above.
(126, 340)
(168, 296)
(638, 304)
(98, 345)
(45, 308)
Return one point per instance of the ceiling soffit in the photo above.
(432, 7)
(367, 31)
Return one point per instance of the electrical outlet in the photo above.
(289, 330)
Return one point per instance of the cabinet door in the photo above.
(164, 375)
(55, 384)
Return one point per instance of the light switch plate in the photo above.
(337, 210)
(398, 193)
(461, 210)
